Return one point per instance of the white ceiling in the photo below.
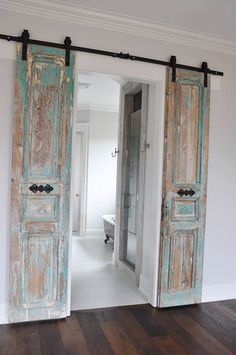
(98, 91)
(215, 17)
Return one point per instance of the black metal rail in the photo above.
(25, 40)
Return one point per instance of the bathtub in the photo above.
(109, 226)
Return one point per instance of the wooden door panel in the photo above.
(182, 255)
(41, 209)
(39, 250)
(43, 119)
(185, 209)
(184, 189)
(186, 140)
(41, 157)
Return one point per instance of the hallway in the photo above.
(96, 282)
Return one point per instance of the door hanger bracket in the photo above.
(24, 38)
(67, 43)
(205, 70)
(173, 66)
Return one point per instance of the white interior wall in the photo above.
(7, 75)
(219, 279)
(101, 176)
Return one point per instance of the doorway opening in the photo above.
(108, 191)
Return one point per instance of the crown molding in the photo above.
(119, 23)
(98, 107)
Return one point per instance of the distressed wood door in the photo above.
(184, 189)
(40, 185)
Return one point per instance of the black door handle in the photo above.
(186, 192)
(47, 188)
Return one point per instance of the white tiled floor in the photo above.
(96, 283)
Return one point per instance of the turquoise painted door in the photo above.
(184, 189)
(40, 189)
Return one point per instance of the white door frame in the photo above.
(83, 128)
(154, 75)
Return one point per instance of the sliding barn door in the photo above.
(41, 185)
(184, 189)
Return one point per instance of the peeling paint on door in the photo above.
(41, 156)
(184, 189)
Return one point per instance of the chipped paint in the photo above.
(42, 155)
(185, 166)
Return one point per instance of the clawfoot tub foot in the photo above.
(107, 238)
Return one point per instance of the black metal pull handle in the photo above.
(47, 188)
(186, 192)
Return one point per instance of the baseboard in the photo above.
(144, 285)
(3, 313)
(219, 292)
(94, 232)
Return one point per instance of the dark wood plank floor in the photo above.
(208, 328)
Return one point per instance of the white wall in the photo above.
(7, 69)
(220, 239)
(101, 183)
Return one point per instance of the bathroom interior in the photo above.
(96, 280)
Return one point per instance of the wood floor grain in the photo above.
(208, 328)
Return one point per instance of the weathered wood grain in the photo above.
(185, 167)
(41, 155)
